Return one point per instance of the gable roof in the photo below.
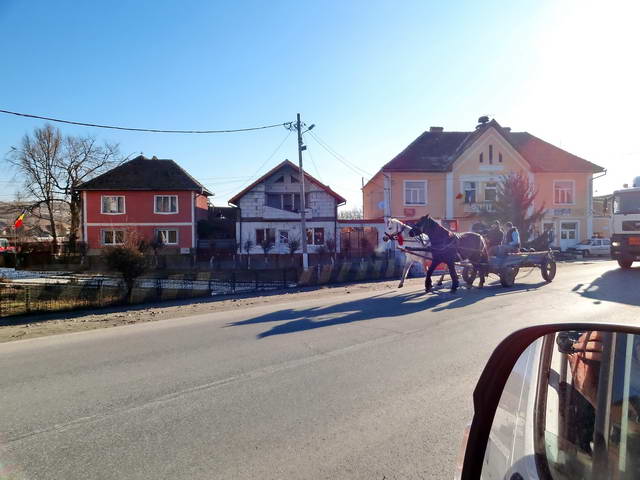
(145, 174)
(436, 151)
(287, 163)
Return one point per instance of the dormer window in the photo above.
(491, 154)
(481, 157)
(500, 157)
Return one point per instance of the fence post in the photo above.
(255, 272)
(27, 299)
(233, 281)
(100, 292)
(284, 278)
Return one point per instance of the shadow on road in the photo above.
(382, 305)
(621, 286)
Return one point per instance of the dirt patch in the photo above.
(23, 327)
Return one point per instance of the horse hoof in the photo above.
(453, 290)
(400, 286)
(439, 284)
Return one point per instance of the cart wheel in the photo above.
(469, 274)
(548, 269)
(508, 276)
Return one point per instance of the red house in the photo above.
(155, 198)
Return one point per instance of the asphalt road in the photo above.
(368, 386)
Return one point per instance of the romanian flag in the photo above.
(18, 222)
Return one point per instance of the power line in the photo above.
(339, 157)
(149, 130)
(314, 165)
(261, 166)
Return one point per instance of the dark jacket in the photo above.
(494, 237)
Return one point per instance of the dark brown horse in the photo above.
(448, 247)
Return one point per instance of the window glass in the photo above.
(469, 192)
(415, 192)
(589, 408)
(168, 237)
(166, 204)
(563, 192)
(626, 202)
(318, 236)
(113, 204)
(112, 237)
(284, 236)
(490, 190)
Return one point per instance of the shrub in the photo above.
(128, 261)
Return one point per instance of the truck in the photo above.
(625, 225)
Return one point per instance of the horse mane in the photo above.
(437, 233)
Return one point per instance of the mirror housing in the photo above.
(493, 379)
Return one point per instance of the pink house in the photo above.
(155, 198)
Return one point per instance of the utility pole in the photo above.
(303, 206)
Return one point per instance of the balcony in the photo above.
(479, 207)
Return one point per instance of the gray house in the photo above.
(270, 210)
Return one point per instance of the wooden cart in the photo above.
(508, 266)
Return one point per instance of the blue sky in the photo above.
(372, 75)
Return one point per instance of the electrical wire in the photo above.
(148, 130)
(339, 157)
(314, 165)
(252, 177)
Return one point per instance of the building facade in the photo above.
(454, 176)
(270, 213)
(156, 199)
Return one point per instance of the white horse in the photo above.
(395, 232)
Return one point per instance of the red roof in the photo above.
(287, 163)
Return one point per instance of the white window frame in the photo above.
(114, 230)
(279, 237)
(494, 188)
(124, 205)
(158, 230)
(573, 191)
(426, 192)
(155, 205)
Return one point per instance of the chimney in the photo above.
(154, 158)
(436, 129)
(506, 129)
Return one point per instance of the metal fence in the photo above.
(79, 293)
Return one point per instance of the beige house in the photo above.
(454, 175)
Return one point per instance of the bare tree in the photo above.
(53, 166)
(37, 159)
(354, 213)
(82, 158)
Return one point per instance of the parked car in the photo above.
(558, 402)
(593, 246)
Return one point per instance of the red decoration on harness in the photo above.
(400, 239)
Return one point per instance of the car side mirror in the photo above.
(558, 402)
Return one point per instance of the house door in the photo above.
(568, 235)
